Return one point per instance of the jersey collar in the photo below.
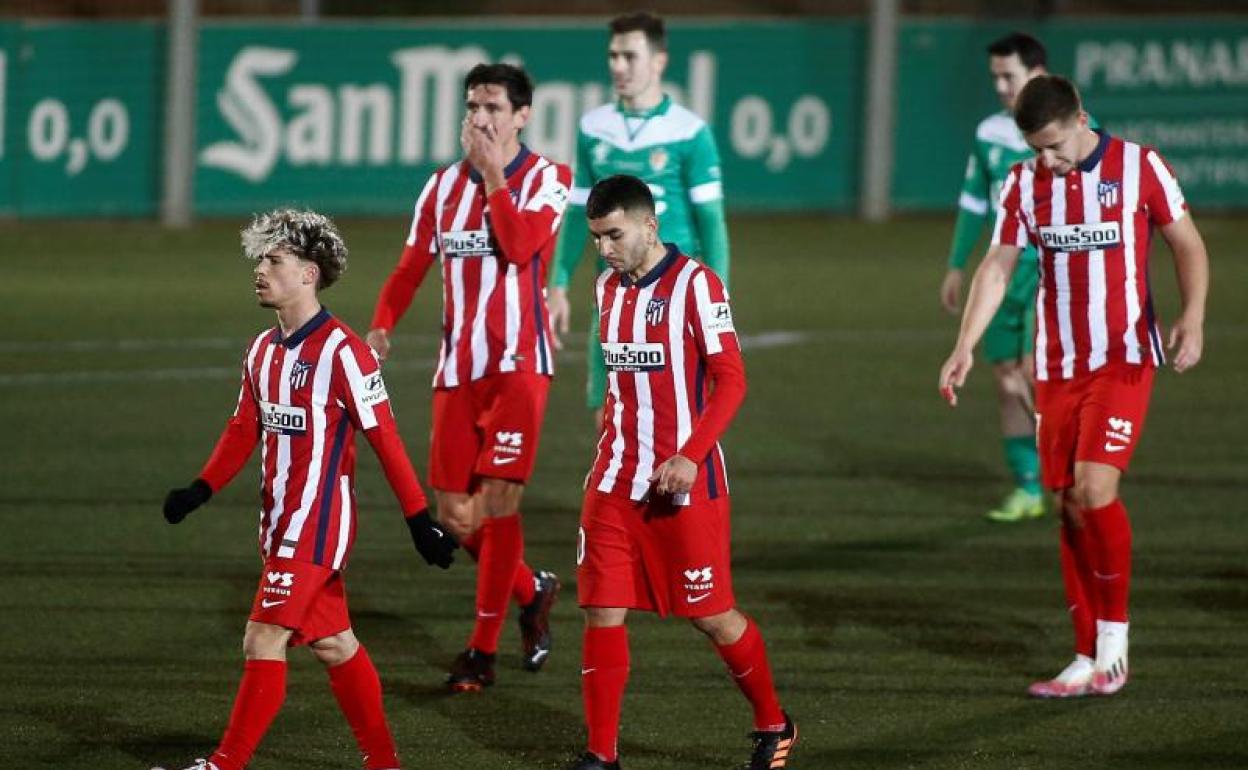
(658, 109)
(656, 272)
(303, 332)
(511, 168)
(1089, 163)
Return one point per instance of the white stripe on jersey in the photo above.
(511, 287)
(356, 384)
(1026, 192)
(613, 383)
(279, 481)
(579, 196)
(320, 398)
(344, 521)
(445, 185)
(1174, 195)
(972, 204)
(451, 371)
(702, 296)
(420, 204)
(645, 405)
(1130, 202)
(1061, 272)
(706, 192)
(282, 473)
(1098, 334)
(480, 345)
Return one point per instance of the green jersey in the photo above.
(673, 151)
(998, 146)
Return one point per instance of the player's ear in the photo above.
(660, 60)
(521, 117)
(311, 273)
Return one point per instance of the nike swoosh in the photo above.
(695, 599)
(487, 614)
(504, 460)
(1114, 447)
(265, 603)
(585, 671)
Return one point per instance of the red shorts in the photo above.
(654, 556)
(1095, 418)
(488, 427)
(307, 598)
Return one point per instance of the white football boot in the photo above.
(1110, 675)
(1075, 681)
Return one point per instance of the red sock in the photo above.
(358, 690)
(1111, 553)
(502, 543)
(260, 696)
(1077, 577)
(604, 673)
(750, 669)
(523, 587)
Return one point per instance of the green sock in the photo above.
(1024, 462)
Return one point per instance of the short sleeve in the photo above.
(1160, 191)
(711, 314)
(1010, 228)
(361, 387)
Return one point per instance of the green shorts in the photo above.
(1010, 335)
(596, 376)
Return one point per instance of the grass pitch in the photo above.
(903, 628)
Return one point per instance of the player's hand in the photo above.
(484, 151)
(675, 476)
(951, 291)
(180, 502)
(379, 341)
(1187, 340)
(431, 541)
(560, 314)
(953, 374)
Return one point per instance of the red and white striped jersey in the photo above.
(1092, 228)
(659, 336)
(304, 397)
(495, 251)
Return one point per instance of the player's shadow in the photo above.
(88, 728)
(974, 635)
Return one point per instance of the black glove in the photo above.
(433, 543)
(180, 502)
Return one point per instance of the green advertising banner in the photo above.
(352, 118)
(80, 118)
(1180, 85)
(8, 173)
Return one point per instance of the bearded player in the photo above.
(1089, 203)
(654, 532)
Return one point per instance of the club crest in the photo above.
(656, 311)
(1108, 193)
(299, 374)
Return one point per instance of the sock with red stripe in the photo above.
(604, 674)
(1111, 558)
(1080, 589)
(502, 543)
(750, 669)
(260, 696)
(357, 688)
(523, 588)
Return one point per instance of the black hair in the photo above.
(623, 192)
(1029, 50)
(644, 21)
(1046, 99)
(517, 82)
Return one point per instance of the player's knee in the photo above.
(262, 641)
(1095, 492)
(605, 617)
(500, 498)
(337, 649)
(724, 628)
(455, 513)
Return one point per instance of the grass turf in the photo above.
(902, 627)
